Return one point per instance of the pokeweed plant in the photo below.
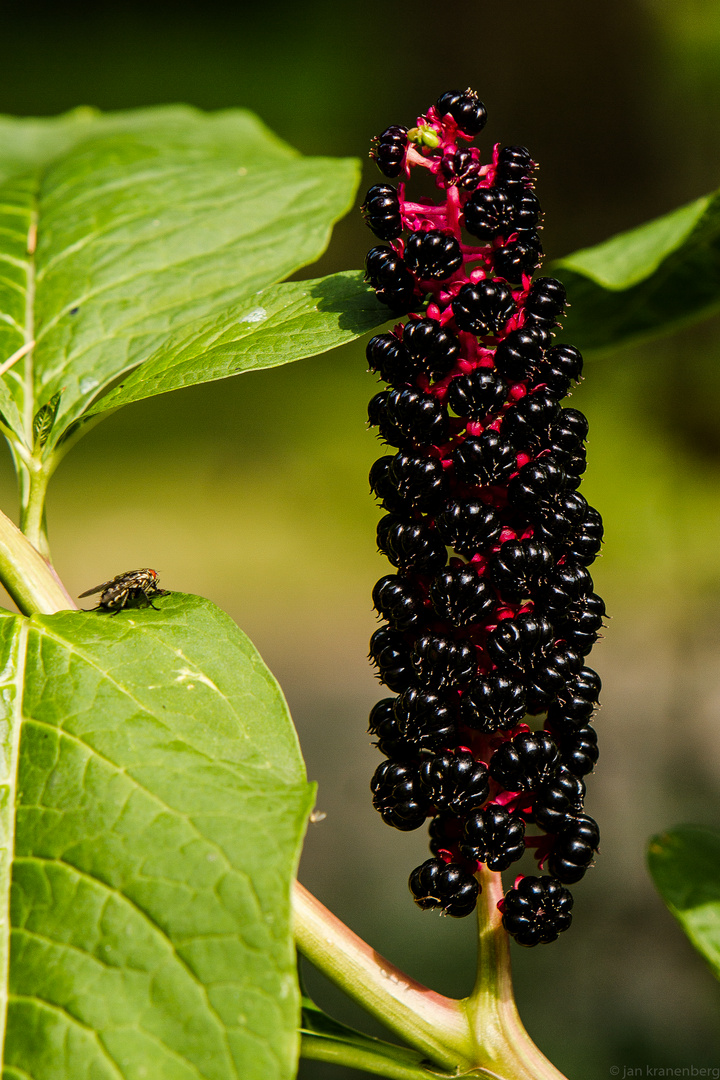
(153, 793)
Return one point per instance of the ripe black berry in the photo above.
(397, 600)
(525, 209)
(576, 702)
(461, 168)
(514, 166)
(518, 566)
(391, 279)
(537, 910)
(441, 663)
(489, 459)
(525, 761)
(410, 545)
(562, 367)
(546, 300)
(574, 849)
(558, 799)
(518, 354)
(477, 394)
(408, 415)
(383, 723)
(389, 357)
(424, 720)
(433, 348)
(381, 211)
(389, 150)
(483, 308)
(455, 783)
(408, 482)
(466, 109)
(493, 837)
(579, 751)
(434, 255)
(398, 795)
(493, 703)
(487, 213)
(540, 479)
(444, 885)
(519, 257)
(524, 422)
(390, 653)
(461, 597)
(468, 526)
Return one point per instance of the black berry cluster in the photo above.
(491, 612)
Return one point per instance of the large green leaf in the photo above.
(285, 322)
(153, 804)
(121, 235)
(647, 281)
(685, 866)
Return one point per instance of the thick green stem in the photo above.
(27, 576)
(434, 1024)
(32, 510)
(480, 1035)
(318, 1048)
(502, 1045)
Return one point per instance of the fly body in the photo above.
(130, 588)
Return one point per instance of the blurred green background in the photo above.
(254, 492)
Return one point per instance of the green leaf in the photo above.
(122, 234)
(648, 281)
(685, 866)
(153, 816)
(283, 323)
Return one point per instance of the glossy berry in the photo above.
(484, 308)
(432, 255)
(445, 832)
(455, 783)
(524, 209)
(398, 795)
(466, 109)
(434, 349)
(494, 838)
(525, 761)
(389, 150)
(538, 480)
(408, 415)
(579, 751)
(495, 702)
(518, 566)
(487, 214)
(525, 422)
(477, 394)
(408, 482)
(441, 663)
(574, 849)
(436, 884)
(562, 367)
(397, 600)
(411, 545)
(576, 703)
(388, 356)
(536, 910)
(383, 723)
(557, 800)
(519, 257)
(461, 597)
(393, 283)
(514, 166)
(461, 168)
(468, 526)
(381, 211)
(514, 642)
(518, 354)
(488, 459)
(425, 721)
(546, 300)
(390, 653)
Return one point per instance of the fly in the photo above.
(130, 588)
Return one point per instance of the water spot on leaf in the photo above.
(87, 384)
(258, 314)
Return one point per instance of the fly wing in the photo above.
(97, 589)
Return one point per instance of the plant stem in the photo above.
(27, 576)
(503, 1046)
(434, 1024)
(481, 1034)
(320, 1048)
(32, 510)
